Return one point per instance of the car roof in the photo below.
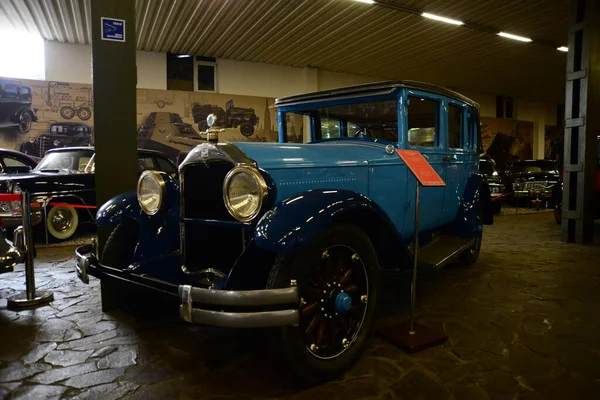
(91, 148)
(371, 89)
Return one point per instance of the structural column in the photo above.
(114, 81)
(582, 121)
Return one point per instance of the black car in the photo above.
(10, 255)
(231, 117)
(15, 162)
(61, 134)
(15, 106)
(487, 167)
(532, 180)
(65, 177)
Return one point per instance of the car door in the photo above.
(454, 138)
(423, 117)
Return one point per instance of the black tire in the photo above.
(246, 129)
(310, 363)
(84, 113)
(118, 253)
(67, 112)
(25, 122)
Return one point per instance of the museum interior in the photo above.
(299, 199)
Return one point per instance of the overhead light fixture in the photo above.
(514, 37)
(442, 19)
(563, 48)
(366, 1)
(183, 55)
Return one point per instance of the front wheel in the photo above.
(25, 122)
(246, 129)
(338, 278)
(62, 222)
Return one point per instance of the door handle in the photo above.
(450, 158)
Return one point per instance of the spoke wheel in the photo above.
(337, 277)
(332, 311)
(25, 122)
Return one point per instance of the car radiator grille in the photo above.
(208, 245)
(536, 186)
(44, 144)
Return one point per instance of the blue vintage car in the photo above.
(292, 235)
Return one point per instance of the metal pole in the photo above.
(413, 286)
(29, 272)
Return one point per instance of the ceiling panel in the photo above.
(343, 36)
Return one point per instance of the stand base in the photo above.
(422, 338)
(20, 300)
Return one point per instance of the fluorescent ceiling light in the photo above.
(184, 55)
(563, 48)
(443, 19)
(366, 1)
(514, 37)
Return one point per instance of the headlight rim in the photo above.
(163, 191)
(262, 185)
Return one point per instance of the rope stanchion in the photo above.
(30, 297)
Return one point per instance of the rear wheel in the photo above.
(84, 113)
(25, 122)
(67, 112)
(118, 253)
(338, 278)
(62, 222)
(246, 129)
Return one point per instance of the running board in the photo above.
(443, 250)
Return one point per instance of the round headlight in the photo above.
(151, 191)
(56, 142)
(243, 191)
(32, 140)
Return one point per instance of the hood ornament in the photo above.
(212, 133)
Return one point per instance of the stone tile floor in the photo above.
(522, 324)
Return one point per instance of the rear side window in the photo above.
(422, 122)
(455, 126)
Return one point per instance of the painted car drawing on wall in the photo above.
(231, 117)
(69, 101)
(291, 236)
(60, 134)
(15, 106)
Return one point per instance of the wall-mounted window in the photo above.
(180, 72)
(22, 55)
(205, 78)
(504, 107)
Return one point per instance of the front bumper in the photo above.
(266, 308)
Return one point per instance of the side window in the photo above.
(14, 163)
(330, 128)
(145, 163)
(10, 90)
(295, 125)
(455, 125)
(165, 166)
(422, 122)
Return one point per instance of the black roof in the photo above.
(377, 88)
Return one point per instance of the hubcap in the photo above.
(62, 221)
(333, 311)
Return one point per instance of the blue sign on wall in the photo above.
(113, 29)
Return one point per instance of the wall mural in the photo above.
(36, 116)
(507, 140)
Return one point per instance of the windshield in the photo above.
(487, 168)
(73, 161)
(532, 167)
(376, 120)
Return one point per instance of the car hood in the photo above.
(37, 182)
(346, 153)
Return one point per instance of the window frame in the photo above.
(212, 64)
(438, 120)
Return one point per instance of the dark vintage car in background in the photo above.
(231, 117)
(65, 176)
(15, 106)
(531, 180)
(10, 254)
(487, 167)
(15, 162)
(61, 134)
(166, 132)
(291, 236)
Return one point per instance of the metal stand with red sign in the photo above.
(411, 336)
(30, 297)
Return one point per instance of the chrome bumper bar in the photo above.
(283, 303)
(239, 298)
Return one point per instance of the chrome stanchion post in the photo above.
(30, 297)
